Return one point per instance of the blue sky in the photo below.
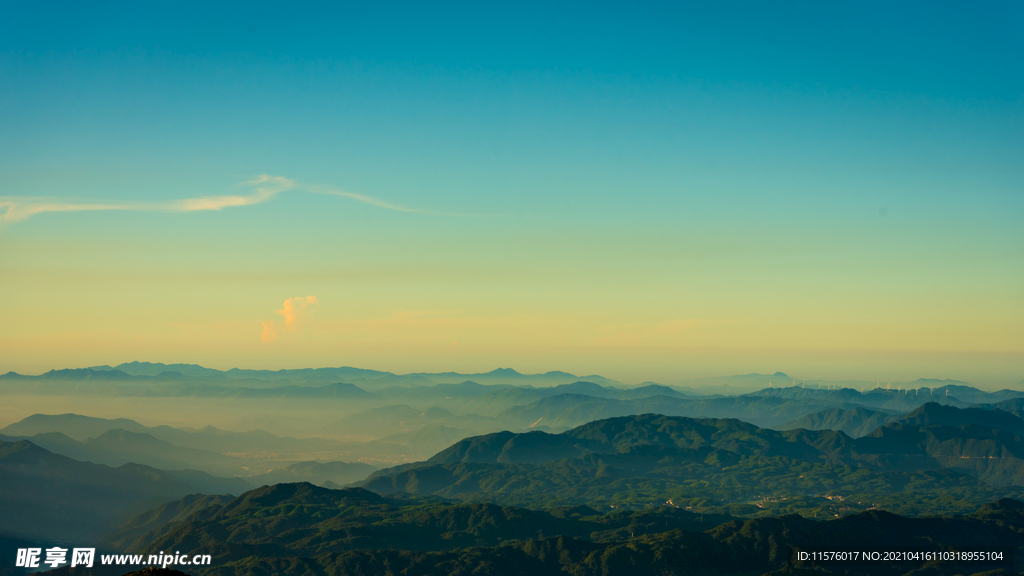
(793, 171)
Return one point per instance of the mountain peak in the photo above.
(754, 375)
(504, 372)
(935, 413)
(559, 373)
(931, 408)
(21, 448)
(941, 382)
(87, 374)
(295, 493)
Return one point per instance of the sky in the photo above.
(648, 191)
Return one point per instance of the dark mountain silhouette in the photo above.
(85, 374)
(303, 529)
(648, 390)
(72, 425)
(511, 376)
(48, 496)
(137, 368)
(933, 413)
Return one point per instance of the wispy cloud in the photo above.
(266, 187)
(367, 199)
(382, 204)
(15, 209)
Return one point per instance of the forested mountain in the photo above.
(302, 530)
(651, 458)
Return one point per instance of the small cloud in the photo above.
(269, 332)
(293, 309)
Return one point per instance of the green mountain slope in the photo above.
(302, 530)
(651, 458)
(160, 520)
(308, 520)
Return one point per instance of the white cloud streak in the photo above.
(266, 187)
(13, 209)
(367, 199)
(386, 205)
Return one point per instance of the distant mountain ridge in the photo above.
(81, 428)
(117, 447)
(855, 422)
(368, 380)
(162, 379)
(768, 407)
(116, 441)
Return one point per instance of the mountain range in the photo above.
(303, 530)
(642, 481)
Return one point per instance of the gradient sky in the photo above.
(643, 190)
